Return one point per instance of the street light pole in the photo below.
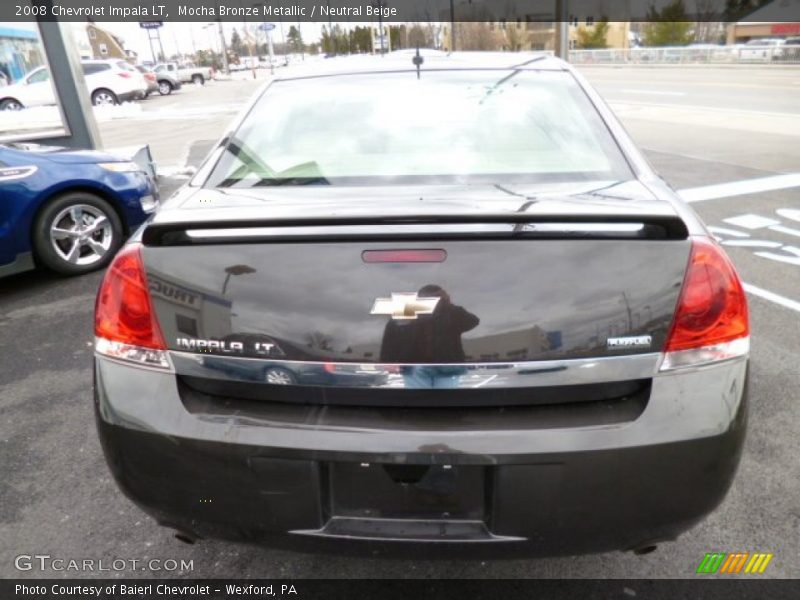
(249, 42)
(267, 40)
(152, 50)
(283, 43)
(562, 30)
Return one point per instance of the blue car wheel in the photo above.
(76, 233)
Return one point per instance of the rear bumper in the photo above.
(350, 490)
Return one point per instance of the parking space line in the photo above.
(726, 231)
(654, 92)
(786, 230)
(751, 221)
(740, 188)
(753, 243)
(772, 297)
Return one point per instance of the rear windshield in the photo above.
(446, 126)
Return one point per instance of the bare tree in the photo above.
(516, 38)
(419, 37)
(707, 29)
(477, 36)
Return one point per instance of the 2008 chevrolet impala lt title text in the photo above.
(425, 301)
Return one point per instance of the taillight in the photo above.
(400, 256)
(125, 326)
(124, 74)
(711, 321)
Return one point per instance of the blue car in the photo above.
(68, 210)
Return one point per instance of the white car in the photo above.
(108, 82)
(762, 49)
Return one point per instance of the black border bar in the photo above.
(408, 11)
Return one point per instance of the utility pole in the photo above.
(302, 43)
(194, 45)
(330, 31)
(380, 5)
(225, 66)
(283, 42)
(452, 26)
(267, 41)
(160, 45)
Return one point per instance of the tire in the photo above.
(63, 239)
(164, 87)
(11, 104)
(279, 376)
(104, 97)
(198, 79)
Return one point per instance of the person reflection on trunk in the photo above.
(434, 339)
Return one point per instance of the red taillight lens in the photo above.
(712, 308)
(124, 74)
(400, 256)
(123, 312)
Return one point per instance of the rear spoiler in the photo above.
(423, 227)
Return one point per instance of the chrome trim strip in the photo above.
(471, 530)
(442, 228)
(390, 376)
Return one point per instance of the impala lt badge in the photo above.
(404, 305)
(636, 341)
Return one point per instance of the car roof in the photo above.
(401, 60)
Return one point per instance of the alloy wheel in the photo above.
(279, 377)
(81, 234)
(104, 99)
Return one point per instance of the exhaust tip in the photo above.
(186, 538)
(642, 550)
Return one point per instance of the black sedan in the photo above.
(568, 346)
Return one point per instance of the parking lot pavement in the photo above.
(57, 497)
(169, 124)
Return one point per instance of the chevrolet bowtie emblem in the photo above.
(404, 306)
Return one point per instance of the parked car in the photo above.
(149, 77)
(186, 73)
(764, 50)
(68, 210)
(568, 343)
(108, 82)
(790, 51)
(164, 83)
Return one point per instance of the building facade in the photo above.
(20, 52)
